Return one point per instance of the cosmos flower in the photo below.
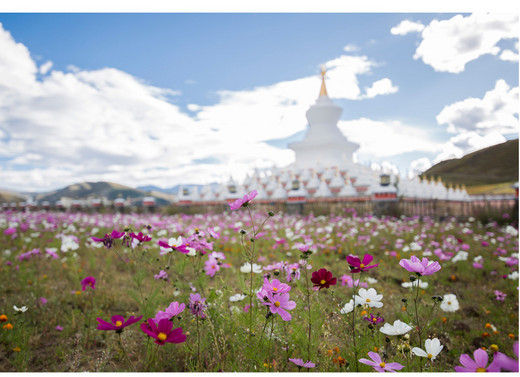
(505, 362)
(500, 296)
(275, 286)
(23, 309)
(479, 364)
(197, 305)
(380, 365)
(140, 237)
(349, 307)
(89, 281)
(211, 266)
(161, 275)
(162, 332)
(450, 303)
(237, 297)
(118, 323)
(173, 310)
(373, 319)
(357, 265)
(368, 297)
(108, 240)
(279, 304)
(409, 284)
(322, 279)
(433, 348)
(398, 328)
(246, 268)
(301, 364)
(424, 267)
(172, 245)
(244, 201)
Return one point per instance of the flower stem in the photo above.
(124, 352)
(417, 321)
(309, 311)
(198, 345)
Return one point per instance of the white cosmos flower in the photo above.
(191, 251)
(371, 280)
(433, 348)
(23, 309)
(237, 297)
(368, 297)
(398, 328)
(450, 303)
(461, 255)
(513, 275)
(347, 308)
(246, 268)
(409, 284)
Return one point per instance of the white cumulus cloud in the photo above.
(496, 111)
(467, 142)
(406, 27)
(448, 45)
(380, 87)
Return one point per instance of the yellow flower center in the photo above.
(368, 300)
(277, 304)
(449, 302)
(481, 370)
(362, 266)
(382, 365)
(174, 245)
(322, 281)
(374, 319)
(275, 289)
(430, 356)
(118, 323)
(162, 337)
(213, 266)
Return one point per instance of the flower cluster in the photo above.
(275, 296)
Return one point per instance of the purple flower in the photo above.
(162, 331)
(357, 265)
(500, 296)
(477, 365)
(173, 244)
(424, 267)
(118, 323)
(243, 202)
(197, 305)
(301, 364)
(211, 266)
(140, 237)
(279, 304)
(275, 286)
(89, 281)
(213, 234)
(171, 311)
(505, 362)
(43, 300)
(373, 319)
(161, 275)
(108, 240)
(59, 328)
(379, 365)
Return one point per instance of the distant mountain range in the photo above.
(173, 190)
(494, 165)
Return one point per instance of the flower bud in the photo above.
(242, 231)
(413, 278)
(270, 213)
(252, 239)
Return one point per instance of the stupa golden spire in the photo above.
(323, 90)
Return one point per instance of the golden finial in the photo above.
(323, 90)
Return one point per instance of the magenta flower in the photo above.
(211, 266)
(379, 365)
(108, 240)
(43, 300)
(424, 267)
(275, 286)
(322, 279)
(89, 281)
(279, 304)
(58, 328)
(118, 323)
(161, 275)
(301, 364)
(500, 296)
(197, 305)
(140, 237)
(373, 319)
(479, 364)
(243, 202)
(357, 265)
(173, 244)
(171, 311)
(505, 362)
(162, 332)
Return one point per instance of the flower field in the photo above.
(245, 291)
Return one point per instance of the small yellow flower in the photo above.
(17, 349)
(45, 276)
(493, 348)
(77, 292)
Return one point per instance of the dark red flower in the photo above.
(357, 265)
(323, 278)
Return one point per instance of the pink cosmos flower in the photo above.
(243, 202)
(477, 365)
(161, 275)
(43, 300)
(118, 323)
(424, 267)
(108, 240)
(173, 244)
(51, 253)
(275, 286)
(140, 237)
(162, 331)
(171, 311)
(213, 233)
(211, 266)
(379, 365)
(505, 362)
(279, 304)
(58, 328)
(197, 305)
(500, 296)
(301, 364)
(89, 281)
(357, 265)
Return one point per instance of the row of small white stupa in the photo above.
(297, 185)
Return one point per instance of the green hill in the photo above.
(490, 166)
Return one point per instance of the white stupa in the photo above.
(324, 145)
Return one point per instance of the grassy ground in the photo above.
(125, 285)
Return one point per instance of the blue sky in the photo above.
(164, 99)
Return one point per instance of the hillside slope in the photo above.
(489, 166)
